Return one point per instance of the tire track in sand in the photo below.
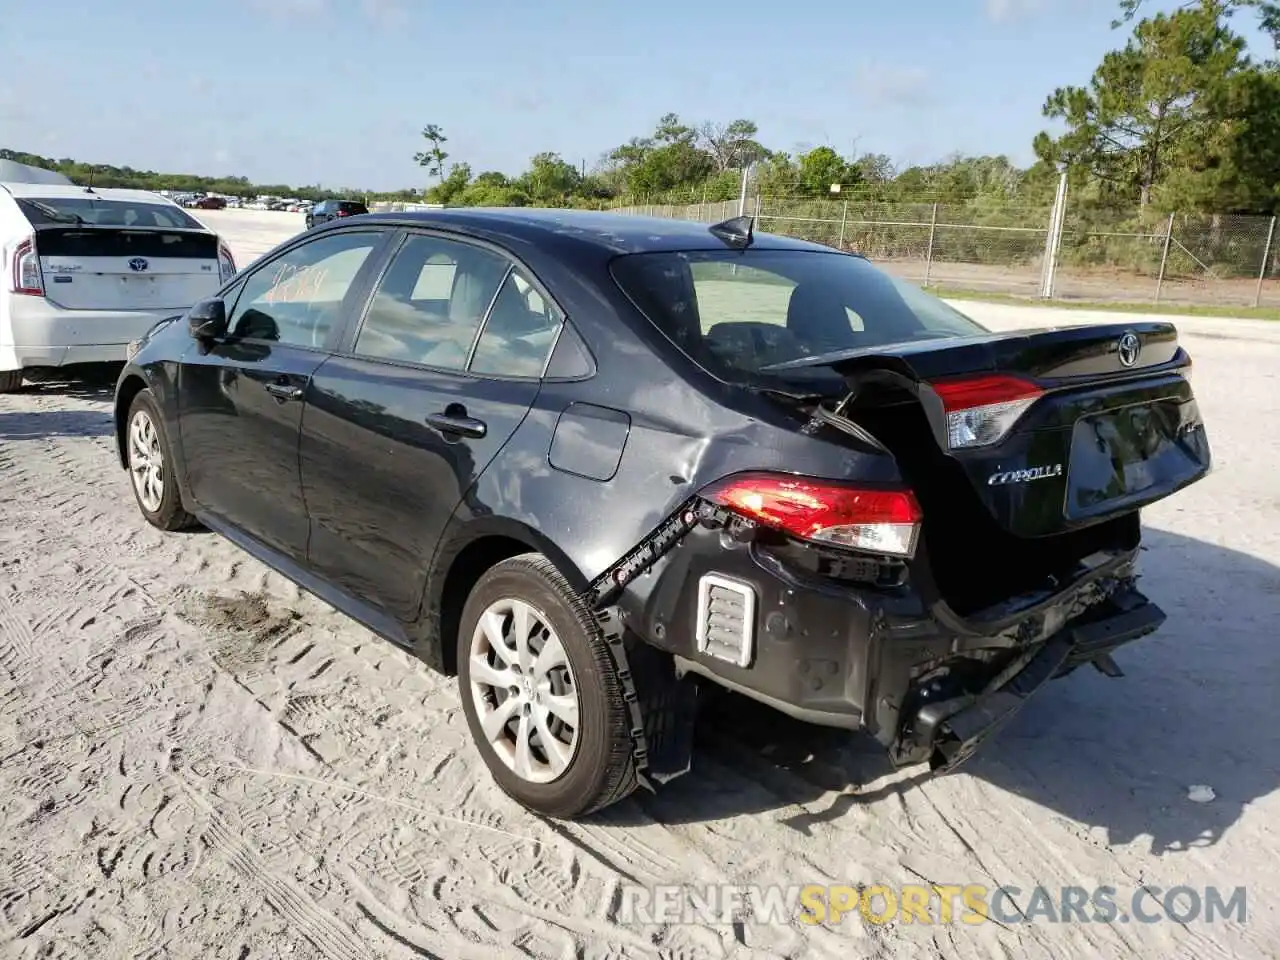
(334, 939)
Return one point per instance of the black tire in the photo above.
(170, 514)
(10, 381)
(602, 769)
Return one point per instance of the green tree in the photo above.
(549, 179)
(1267, 10)
(451, 186)
(822, 167)
(1148, 102)
(732, 145)
(433, 157)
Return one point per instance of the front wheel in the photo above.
(151, 466)
(540, 692)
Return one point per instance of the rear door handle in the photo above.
(459, 424)
(284, 391)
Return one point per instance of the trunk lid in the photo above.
(1090, 422)
(127, 268)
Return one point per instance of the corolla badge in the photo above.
(137, 265)
(1128, 348)
(1024, 476)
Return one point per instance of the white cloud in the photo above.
(892, 85)
(288, 9)
(387, 13)
(1005, 11)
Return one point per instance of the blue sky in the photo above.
(336, 91)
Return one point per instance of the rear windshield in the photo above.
(734, 312)
(95, 211)
(353, 207)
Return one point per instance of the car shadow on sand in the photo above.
(38, 425)
(1197, 706)
(94, 383)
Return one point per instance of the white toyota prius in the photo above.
(86, 270)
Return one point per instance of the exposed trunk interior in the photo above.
(975, 563)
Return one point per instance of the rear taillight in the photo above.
(981, 410)
(872, 520)
(226, 263)
(341, 213)
(26, 278)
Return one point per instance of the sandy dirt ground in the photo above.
(199, 760)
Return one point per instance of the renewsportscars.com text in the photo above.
(929, 904)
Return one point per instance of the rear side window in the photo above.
(519, 331)
(90, 211)
(430, 303)
(734, 312)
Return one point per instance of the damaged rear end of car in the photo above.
(926, 611)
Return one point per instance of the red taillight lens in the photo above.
(26, 278)
(981, 410)
(876, 521)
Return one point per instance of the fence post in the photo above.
(928, 255)
(1053, 242)
(1266, 257)
(844, 217)
(757, 214)
(1164, 257)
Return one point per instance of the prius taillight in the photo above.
(25, 278)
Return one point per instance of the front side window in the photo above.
(735, 313)
(431, 302)
(297, 297)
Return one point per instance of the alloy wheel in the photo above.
(523, 690)
(146, 460)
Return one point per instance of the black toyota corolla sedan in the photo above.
(588, 462)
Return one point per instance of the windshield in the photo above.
(98, 212)
(736, 312)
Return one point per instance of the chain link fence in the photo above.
(1104, 254)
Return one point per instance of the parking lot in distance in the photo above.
(197, 759)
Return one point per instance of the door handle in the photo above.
(459, 424)
(284, 391)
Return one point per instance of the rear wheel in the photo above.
(541, 694)
(151, 466)
(10, 381)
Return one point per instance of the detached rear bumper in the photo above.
(880, 658)
(949, 731)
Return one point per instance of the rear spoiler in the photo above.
(1051, 358)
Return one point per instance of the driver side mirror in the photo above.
(207, 320)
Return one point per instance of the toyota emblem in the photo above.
(137, 265)
(1128, 349)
